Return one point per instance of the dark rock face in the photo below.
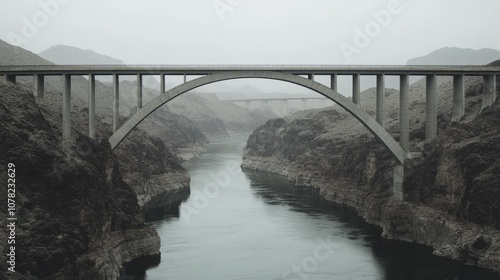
(78, 219)
(150, 168)
(452, 193)
(179, 134)
(145, 161)
(460, 172)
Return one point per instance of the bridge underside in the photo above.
(291, 74)
(372, 125)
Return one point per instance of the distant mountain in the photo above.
(12, 55)
(457, 56)
(61, 54)
(67, 55)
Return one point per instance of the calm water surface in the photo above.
(259, 226)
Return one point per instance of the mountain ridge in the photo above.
(457, 56)
(61, 54)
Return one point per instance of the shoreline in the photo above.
(463, 241)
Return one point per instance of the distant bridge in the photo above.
(207, 74)
(283, 100)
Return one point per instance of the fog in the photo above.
(253, 32)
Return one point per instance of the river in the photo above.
(248, 225)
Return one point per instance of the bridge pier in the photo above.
(404, 109)
(10, 78)
(380, 98)
(489, 91)
(38, 85)
(458, 98)
(404, 135)
(139, 92)
(356, 89)
(398, 179)
(310, 77)
(116, 102)
(66, 108)
(495, 88)
(431, 113)
(92, 106)
(162, 83)
(333, 82)
(285, 107)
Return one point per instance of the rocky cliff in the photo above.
(145, 161)
(451, 193)
(113, 233)
(77, 218)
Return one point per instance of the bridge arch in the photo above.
(371, 124)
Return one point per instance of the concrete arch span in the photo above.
(371, 124)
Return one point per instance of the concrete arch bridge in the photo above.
(301, 75)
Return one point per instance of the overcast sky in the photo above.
(253, 31)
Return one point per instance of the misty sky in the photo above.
(253, 31)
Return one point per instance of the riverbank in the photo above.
(259, 226)
(451, 193)
(449, 236)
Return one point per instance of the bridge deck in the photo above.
(276, 99)
(443, 70)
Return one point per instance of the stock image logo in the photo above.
(364, 36)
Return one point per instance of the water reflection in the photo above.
(399, 260)
(262, 227)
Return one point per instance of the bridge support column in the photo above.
(431, 113)
(356, 90)
(398, 179)
(185, 78)
(310, 77)
(404, 109)
(139, 91)
(458, 98)
(495, 88)
(333, 82)
(162, 83)
(10, 78)
(92, 106)
(116, 102)
(380, 99)
(38, 85)
(66, 128)
(489, 91)
(285, 107)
